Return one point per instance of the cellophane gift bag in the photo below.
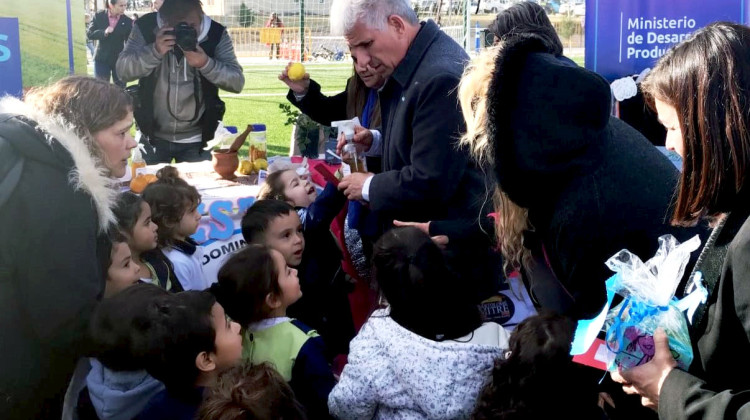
(649, 303)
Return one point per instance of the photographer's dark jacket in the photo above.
(110, 46)
(168, 84)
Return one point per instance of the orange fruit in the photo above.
(139, 183)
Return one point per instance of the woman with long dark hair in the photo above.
(700, 91)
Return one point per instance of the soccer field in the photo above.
(259, 101)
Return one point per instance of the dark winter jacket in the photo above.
(592, 184)
(424, 176)
(55, 205)
(719, 383)
(110, 46)
(324, 305)
(170, 406)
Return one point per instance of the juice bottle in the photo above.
(137, 160)
(351, 156)
(258, 146)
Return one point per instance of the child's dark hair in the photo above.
(183, 326)
(259, 216)
(273, 187)
(244, 281)
(249, 392)
(424, 295)
(115, 236)
(169, 197)
(127, 210)
(120, 327)
(537, 379)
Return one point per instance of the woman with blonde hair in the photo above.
(60, 150)
(574, 185)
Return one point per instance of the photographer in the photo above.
(181, 58)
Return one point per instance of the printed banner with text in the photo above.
(10, 58)
(624, 37)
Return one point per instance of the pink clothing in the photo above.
(113, 19)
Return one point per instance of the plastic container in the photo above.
(258, 146)
(137, 161)
(353, 158)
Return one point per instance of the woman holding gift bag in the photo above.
(700, 91)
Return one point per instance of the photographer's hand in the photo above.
(197, 58)
(165, 40)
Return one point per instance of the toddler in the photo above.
(134, 221)
(428, 354)
(325, 305)
(174, 209)
(249, 392)
(192, 341)
(537, 379)
(256, 286)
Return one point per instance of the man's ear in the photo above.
(204, 361)
(272, 301)
(397, 23)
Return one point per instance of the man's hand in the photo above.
(646, 380)
(362, 138)
(109, 30)
(165, 40)
(299, 87)
(196, 59)
(352, 185)
(440, 240)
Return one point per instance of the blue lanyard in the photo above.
(372, 98)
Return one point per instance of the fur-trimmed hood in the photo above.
(546, 118)
(54, 142)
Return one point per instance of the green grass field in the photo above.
(259, 101)
(44, 39)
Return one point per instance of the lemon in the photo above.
(260, 164)
(246, 167)
(296, 71)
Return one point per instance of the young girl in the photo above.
(325, 304)
(536, 378)
(174, 209)
(134, 221)
(122, 272)
(429, 354)
(255, 286)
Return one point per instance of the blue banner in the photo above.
(11, 82)
(624, 37)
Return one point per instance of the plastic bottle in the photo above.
(349, 153)
(258, 145)
(137, 160)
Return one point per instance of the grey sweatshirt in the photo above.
(174, 85)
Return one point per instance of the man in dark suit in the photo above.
(111, 28)
(425, 176)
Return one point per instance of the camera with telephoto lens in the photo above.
(186, 37)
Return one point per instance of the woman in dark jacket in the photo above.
(700, 91)
(111, 28)
(59, 152)
(574, 185)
